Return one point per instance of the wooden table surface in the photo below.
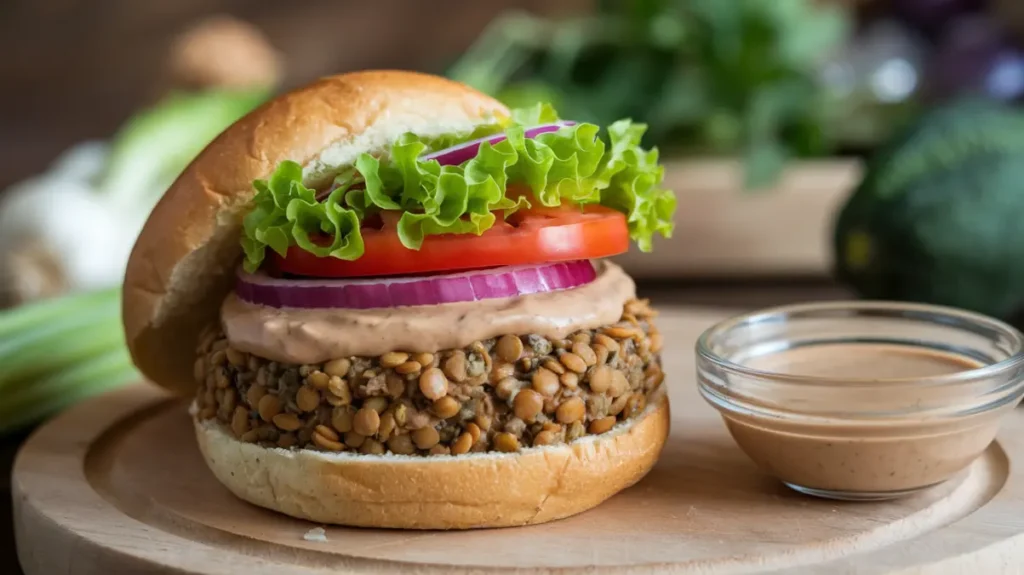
(733, 294)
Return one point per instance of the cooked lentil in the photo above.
(372, 447)
(483, 421)
(341, 419)
(268, 407)
(287, 421)
(337, 367)
(325, 443)
(545, 382)
(572, 409)
(600, 379)
(474, 431)
(377, 404)
(573, 362)
(339, 389)
(433, 384)
(425, 437)
(462, 444)
(569, 380)
(509, 348)
(326, 432)
(366, 421)
(447, 407)
(545, 437)
(287, 440)
(507, 387)
(387, 425)
(240, 421)
(554, 366)
(495, 395)
(619, 404)
(401, 444)
(528, 404)
(506, 442)
(409, 367)
(601, 425)
(501, 371)
(354, 439)
(307, 398)
(424, 359)
(455, 366)
(393, 359)
(584, 352)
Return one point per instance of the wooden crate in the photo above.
(723, 231)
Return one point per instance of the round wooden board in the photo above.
(117, 485)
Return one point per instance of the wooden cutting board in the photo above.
(117, 485)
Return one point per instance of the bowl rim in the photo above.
(949, 316)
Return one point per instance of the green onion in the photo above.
(60, 342)
(56, 352)
(32, 315)
(64, 388)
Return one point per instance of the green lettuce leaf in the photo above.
(539, 113)
(287, 213)
(633, 177)
(573, 166)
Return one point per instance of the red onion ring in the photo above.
(466, 151)
(368, 293)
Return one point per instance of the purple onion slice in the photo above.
(466, 151)
(384, 292)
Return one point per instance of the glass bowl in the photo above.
(862, 400)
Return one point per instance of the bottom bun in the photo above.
(475, 490)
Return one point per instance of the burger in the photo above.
(389, 297)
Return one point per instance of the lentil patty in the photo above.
(499, 394)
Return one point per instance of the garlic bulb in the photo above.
(58, 235)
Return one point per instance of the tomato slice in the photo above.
(534, 236)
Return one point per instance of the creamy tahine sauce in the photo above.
(862, 361)
(897, 453)
(316, 335)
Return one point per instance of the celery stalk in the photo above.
(64, 388)
(30, 316)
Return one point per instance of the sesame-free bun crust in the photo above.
(439, 492)
(184, 260)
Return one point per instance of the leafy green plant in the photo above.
(707, 76)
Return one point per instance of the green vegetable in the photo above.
(707, 76)
(572, 165)
(15, 320)
(158, 143)
(55, 344)
(61, 389)
(56, 352)
(937, 218)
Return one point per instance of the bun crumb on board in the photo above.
(316, 534)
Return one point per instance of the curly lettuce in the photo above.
(573, 165)
(287, 213)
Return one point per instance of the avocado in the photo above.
(939, 215)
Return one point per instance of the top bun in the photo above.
(183, 263)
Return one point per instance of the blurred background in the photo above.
(818, 148)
